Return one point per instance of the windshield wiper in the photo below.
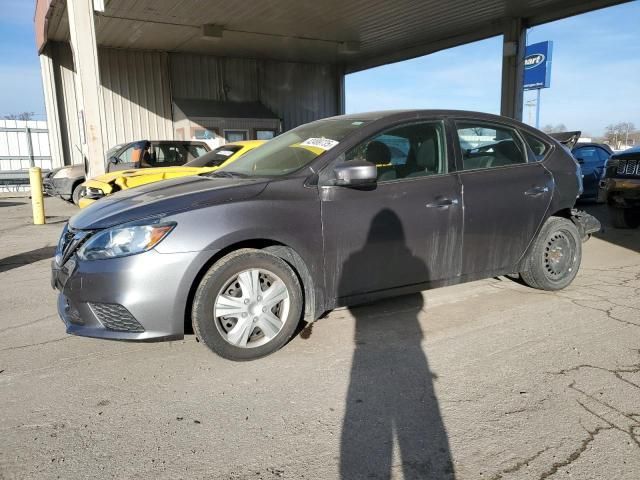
(227, 174)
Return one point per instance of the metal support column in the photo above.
(512, 68)
(50, 100)
(85, 59)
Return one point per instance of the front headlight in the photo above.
(94, 193)
(124, 240)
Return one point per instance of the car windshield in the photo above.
(112, 151)
(214, 158)
(292, 150)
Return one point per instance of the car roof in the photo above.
(381, 114)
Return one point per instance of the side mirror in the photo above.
(114, 160)
(580, 160)
(355, 173)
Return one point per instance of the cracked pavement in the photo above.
(521, 384)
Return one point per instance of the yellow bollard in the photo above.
(37, 200)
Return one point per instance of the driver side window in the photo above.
(487, 146)
(407, 151)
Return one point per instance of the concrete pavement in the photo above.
(489, 380)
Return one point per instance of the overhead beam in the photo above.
(419, 50)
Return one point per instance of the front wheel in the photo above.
(78, 192)
(247, 305)
(554, 259)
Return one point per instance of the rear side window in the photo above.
(537, 146)
(488, 146)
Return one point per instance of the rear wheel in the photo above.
(247, 305)
(554, 258)
(624, 217)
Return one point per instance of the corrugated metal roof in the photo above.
(212, 108)
(313, 31)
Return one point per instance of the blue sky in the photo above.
(595, 79)
(20, 83)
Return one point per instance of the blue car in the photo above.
(591, 157)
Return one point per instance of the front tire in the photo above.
(247, 305)
(554, 259)
(78, 193)
(624, 217)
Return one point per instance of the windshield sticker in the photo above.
(323, 143)
(225, 153)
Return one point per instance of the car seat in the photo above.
(426, 162)
(379, 154)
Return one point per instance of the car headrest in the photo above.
(378, 153)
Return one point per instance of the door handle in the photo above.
(443, 203)
(535, 191)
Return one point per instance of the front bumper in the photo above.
(620, 191)
(86, 201)
(587, 224)
(140, 297)
(59, 187)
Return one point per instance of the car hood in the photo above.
(143, 172)
(74, 170)
(165, 198)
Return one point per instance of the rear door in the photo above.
(506, 194)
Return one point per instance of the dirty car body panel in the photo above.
(413, 230)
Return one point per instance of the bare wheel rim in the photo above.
(251, 308)
(559, 255)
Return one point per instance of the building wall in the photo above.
(136, 96)
(65, 81)
(296, 92)
(138, 88)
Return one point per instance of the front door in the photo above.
(505, 196)
(406, 230)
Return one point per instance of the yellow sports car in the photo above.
(113, 182)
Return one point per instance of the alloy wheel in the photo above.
(251, 308)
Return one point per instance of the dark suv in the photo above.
(620, 188)
(335, 212)
(65, 182)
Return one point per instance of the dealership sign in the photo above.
(537, 65)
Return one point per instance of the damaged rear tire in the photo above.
(554, 259)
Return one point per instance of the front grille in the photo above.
(116, 317)
(628, 167)
(70, 242)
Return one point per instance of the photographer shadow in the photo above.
(391, 395)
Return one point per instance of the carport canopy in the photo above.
(351, 34)
(358, 34)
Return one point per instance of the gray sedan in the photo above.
(336, 212)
